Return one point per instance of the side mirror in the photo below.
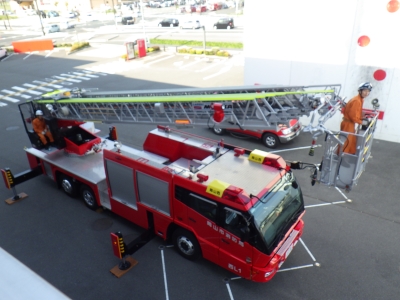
(244, 233)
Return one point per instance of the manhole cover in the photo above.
(12, 128)
(102, 224)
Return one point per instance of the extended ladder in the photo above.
(247, 107)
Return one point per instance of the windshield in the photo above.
(278, 209)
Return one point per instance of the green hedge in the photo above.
(212, 51)
(197, 44)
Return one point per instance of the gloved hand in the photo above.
(365, 122)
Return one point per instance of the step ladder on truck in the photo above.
(192, 191)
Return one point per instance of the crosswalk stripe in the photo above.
(97, 73)
(3, 104)
(26, 91)
(81, 76)
(25, 96)
(37, 87)
(48, 84)
(8, 91)
(67, 79)
(10, 99)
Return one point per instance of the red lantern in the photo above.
(379, 75)
(393, 6)
(363, 41)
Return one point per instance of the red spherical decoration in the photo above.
(379, 75)
(363, 41)
(393, 6)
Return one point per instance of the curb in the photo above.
(77, 50)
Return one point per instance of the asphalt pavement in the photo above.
(349, 250)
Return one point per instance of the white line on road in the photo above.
(3, 104)
(296, 268)
(48, 84)
(27, 55)
(67, 79)
(51, 52)
(81, 75)
(191, 64)
(165, 275)
(10, 99)
(8, 91)
(222, 71)
(211, 66)
(74, 76)
(309, 252)
(91, 73)
(37, 87)
(25, 90)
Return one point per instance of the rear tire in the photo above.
(270, 140)
(68, 185)
(88, 197)
(186, 244)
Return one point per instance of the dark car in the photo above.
(169, 23)
(224, 23)
(127, 20)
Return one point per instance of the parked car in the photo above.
(127, 20)
(169, 23)
(51, 28)
(52, 14)
(67, 25)
(269, 136)
(190, 8)
(201, 8)
(3, 53)
(190, 25)
(224, 23)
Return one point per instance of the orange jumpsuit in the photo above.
(39, 126)
(352, 114)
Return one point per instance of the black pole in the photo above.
(40, 16)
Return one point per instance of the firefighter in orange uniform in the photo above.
(40, 127)
(352, 115)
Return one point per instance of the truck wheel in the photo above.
(218, 131)
(186, 244)
(270, 140)
(67, 185)
(88, 197)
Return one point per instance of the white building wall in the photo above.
(309, 42)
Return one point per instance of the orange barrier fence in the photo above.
(34, 45)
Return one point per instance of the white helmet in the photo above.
(39, 113)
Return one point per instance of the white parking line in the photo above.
(223, 70)
(191, 64)
(158, 60)
(37, 87)
(27, 55)
(51, 52)
(211, 66)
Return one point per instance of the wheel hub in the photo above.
(66, 185)
(185, 245)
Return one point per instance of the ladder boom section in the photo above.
(246, 107)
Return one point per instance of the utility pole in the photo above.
(9, 25)
(144, 31)
(40, 17)
(113, 8)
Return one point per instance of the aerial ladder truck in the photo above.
(241, 209)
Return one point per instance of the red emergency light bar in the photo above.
(202, 177)
(235, 194)
(238, 151)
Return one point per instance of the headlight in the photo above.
(286, 131)
(268, 274)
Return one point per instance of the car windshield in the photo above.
(277, 210)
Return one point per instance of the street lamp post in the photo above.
(204, 40)
(144, 31)
(40, 17)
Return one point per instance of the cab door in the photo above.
(234, 254)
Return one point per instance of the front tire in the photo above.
(270, 140)
(186, 244)
(88, 197)
(218, 131)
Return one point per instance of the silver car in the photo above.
(190, 25)
(52, 28)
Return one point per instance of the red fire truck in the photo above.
(241, 209)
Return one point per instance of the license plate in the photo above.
(288, 251)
